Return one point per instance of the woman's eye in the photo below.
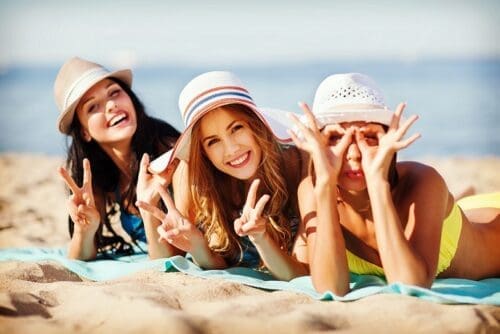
(371, 138)
(91, 108)
(212, 141)
(334, 139)
(237, 127)
(114, 92)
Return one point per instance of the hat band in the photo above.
(225, 95)
(79, 87)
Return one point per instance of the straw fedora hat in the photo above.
(74, 79)
(206, 92)
(350, 97)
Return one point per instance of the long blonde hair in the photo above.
(217, 198)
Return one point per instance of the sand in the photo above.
(47, 298)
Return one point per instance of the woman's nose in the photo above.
(353, 152)
(230, 146)
(110, 105)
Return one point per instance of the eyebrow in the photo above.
(111, 83)
(227, 128)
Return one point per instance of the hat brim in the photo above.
(381, 116)
(66, 118)
(274, 119)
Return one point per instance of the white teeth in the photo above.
(117, 119)
(239, 160)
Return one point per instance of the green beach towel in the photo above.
(446, 291)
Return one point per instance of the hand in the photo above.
(251, 223)
(81, 203)
(147, 183)
(327, 159)
(377, 159)
(175, 228)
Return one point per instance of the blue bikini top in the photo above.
(131, 223)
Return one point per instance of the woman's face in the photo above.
(229, 142)
(351, 175)
(107, 114)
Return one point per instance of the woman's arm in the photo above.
(409, 252)
(318, 207)
(84, 213)
(146, 192)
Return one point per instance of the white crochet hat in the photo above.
(209, 91)
(350, 97)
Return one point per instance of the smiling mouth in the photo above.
(117, 119)
(238, 162)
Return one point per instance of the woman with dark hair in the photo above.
(112, 138)
(368, 214)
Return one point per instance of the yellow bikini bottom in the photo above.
(452, 226)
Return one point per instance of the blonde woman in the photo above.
(370, 214)
(235, 187)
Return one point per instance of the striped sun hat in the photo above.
(212, 90)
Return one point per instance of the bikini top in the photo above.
(131, 223)
(452, 226)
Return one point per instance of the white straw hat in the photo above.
(74, 79)
(206, 92)
(350, 97)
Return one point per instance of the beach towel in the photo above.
(446, 291)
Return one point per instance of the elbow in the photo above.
(337, 288)
(421, 278)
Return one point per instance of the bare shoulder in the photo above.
(420, 181)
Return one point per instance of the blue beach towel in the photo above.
(446, 291)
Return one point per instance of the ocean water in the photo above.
(458, 101)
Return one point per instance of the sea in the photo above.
(458, 101)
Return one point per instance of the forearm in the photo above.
(206, 258)
(400, 262)
(282, 265)
(328, 265)
(82, 247)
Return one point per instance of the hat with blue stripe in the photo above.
(209, 91)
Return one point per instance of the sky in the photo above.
(245, 33)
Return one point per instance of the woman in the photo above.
(110, 132)
(235, 201)
(373, 215)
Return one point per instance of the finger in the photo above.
(409, 141)
(396, 117)
(87, 199)
(87, 173)
(296, 140)
(252, 194)
(143, 167)
(303, 129)
(84, 211)
(248, 227)
(172, 233)
(167, 199)
(237, 226)
(313, 124)
(155, 211)
(404, 128)
(345, 141)
(167, 174)
(68, 180)
(259, 207)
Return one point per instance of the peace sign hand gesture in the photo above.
(377, 159)
(81, 203)
(327, 159)
(251, 223)
(175, 228)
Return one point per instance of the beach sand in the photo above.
(47, 298)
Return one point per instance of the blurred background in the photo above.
(441, 57)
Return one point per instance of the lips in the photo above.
(240, 161)
(354, 174)
(117, 119)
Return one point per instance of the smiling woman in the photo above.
(110, 132)
(238, 206)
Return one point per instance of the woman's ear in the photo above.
(85, 135)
